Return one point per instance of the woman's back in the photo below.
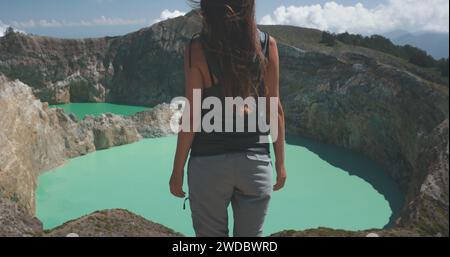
(230, 164)
(222, 140)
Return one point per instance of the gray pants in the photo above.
(242, 179)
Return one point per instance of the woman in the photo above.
(230, 58)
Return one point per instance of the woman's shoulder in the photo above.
(272, 41)
(273, 51)
(194, 51)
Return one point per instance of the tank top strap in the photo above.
(195, 36)
(264, 37)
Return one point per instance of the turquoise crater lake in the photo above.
(327, 187)
(95, 109)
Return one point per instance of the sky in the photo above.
(97, 18)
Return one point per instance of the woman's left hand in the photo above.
(281, 177)
(176, 184)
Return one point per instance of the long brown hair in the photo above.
(230, 32)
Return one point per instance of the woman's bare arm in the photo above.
(272, 79)
(193, 80)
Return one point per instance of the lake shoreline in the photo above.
(320, 152)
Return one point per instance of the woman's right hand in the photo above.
(281, 177)
(176, 184)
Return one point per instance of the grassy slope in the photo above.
(309, 39)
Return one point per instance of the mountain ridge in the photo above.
(307, 39)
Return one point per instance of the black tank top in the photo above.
(216, 143)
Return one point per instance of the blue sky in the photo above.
(21, 10)
(95, 18)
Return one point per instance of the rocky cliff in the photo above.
(392, 116)
(35, 138)
(392, 111)
(142, 68)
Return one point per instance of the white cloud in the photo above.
(167, 14)
(3, 27)
(102, 21)
(410, 15)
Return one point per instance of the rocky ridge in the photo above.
(112, 223)
(35, 138)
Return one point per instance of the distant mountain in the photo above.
(436, 44)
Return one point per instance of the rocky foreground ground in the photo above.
(112, 223)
